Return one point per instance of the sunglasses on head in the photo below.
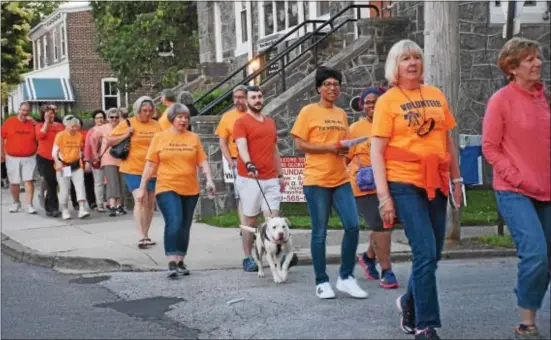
(426, 127)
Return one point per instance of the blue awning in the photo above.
(48, 90)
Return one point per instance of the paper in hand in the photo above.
(347, 143)
(66, 171)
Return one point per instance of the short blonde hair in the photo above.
(513, 52)
(397, 51)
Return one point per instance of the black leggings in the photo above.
(47, 171)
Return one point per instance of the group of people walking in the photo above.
(406, 171)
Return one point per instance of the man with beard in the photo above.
(259, 178)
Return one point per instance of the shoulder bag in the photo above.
(121, 150)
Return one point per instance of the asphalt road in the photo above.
(476, 297)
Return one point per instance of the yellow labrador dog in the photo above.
(272, 238)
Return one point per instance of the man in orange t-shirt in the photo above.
(227, 143)
(19, 140)
(259, 178)
(318, 130)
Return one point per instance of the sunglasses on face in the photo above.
(426, 127)
(113, 117)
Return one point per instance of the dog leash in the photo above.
(265, 199)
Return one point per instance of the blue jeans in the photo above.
(177, 212)
(320, 200)
(424, 223)
(529, 222)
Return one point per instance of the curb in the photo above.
(20, 253)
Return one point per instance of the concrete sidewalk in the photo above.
(105, 243)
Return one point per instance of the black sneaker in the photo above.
(427, 334)
(120, 210)
(182, 269)
(112, 212)
(407, 312)
(172, 270)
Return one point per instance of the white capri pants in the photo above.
(251, 198)
(99, 185)
(77, 177)
(20, 168)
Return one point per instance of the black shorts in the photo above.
(368, 207)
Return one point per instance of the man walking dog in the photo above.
(259, 179)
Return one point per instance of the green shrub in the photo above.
(219, 108)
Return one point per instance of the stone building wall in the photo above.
(480, 43)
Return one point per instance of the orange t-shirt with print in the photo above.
(359, 153)
(261, 142)
(318, 125)
(139, 143)
(177, 157)
(70, 146)
(225, 129)
(398, 116)
(20, 137)
(163, 121)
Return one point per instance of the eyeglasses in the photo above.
(372, 102)
(329, 84)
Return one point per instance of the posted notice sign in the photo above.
(293, 172)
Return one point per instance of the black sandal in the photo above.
(149, 242)
(142, 244)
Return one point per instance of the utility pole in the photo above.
(443, 69)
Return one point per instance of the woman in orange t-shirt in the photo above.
(140, 129)
(413, 156)
(45, 133)
(318, 130)
(67, 156)
(359, 157)
(174, 156)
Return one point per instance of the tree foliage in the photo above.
(129, 34)
(15, 29)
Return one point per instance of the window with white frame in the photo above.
(45, 46)
(533, 12)
(243, 15)
(40, 61)
(62, 40)
(110, 95)
(322, 8)
(278, 16)
(56, 44)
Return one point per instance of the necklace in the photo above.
(413, 105)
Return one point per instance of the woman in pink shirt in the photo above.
(110, 166)
(91, 145)
(517, 143)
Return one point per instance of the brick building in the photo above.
(66, 67)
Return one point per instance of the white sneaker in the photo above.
(65, 215)
(350, 286)
(31, 210)
(324, 291)
(82, 213)
(15, 207)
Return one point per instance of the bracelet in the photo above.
(383, 201)
(457, 180)
(279, 176)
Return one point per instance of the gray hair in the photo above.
(239, 88)
(175, 110)
(70, 120)
(397, 51)
(169, 95)
(185, 98)
(140, 102)
(113, 111)
(123, 111)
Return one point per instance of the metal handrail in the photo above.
(280, 56)
(263, 53)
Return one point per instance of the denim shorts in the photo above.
(133, 182)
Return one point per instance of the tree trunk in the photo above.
(443, 69)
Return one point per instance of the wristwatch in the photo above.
(279, 176)
(457, 180)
